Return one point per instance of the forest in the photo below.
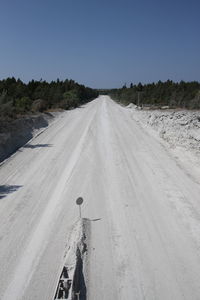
(18, 98)
(155, 95)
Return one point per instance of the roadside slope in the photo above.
(14, 134)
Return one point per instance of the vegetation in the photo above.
(16, 97)
(169, 93)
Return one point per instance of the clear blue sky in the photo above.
(100, 43)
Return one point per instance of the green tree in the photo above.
(71, 99)
(23, 104)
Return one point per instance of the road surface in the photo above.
(142, 207)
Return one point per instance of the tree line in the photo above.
(168, 93)
(17, 97)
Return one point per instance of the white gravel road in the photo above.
(143, 210)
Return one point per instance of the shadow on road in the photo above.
(8, 189)
(37, 146)
(79, 290)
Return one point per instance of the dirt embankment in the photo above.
(178, 128)
(14, 134)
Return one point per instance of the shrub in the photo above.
(23, 104)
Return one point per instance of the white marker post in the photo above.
(79, 201)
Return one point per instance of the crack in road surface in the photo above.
(71, 285)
